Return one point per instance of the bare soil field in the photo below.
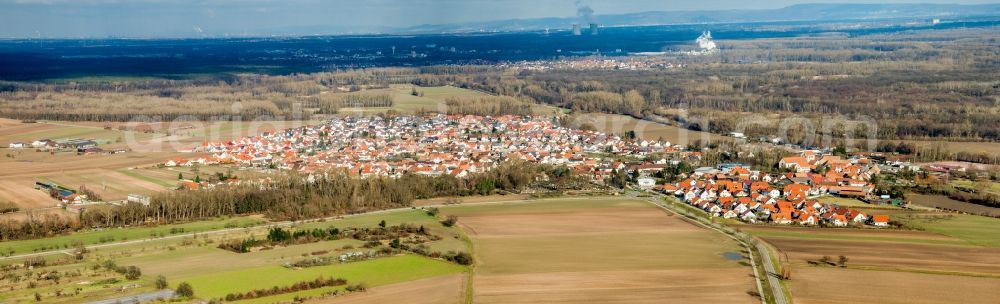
(949, 257)
(9, 129)
(634, 286)
(443, 289)
(111, 176)
(887, 235)
(887, 255)
(597, 250)
(836, 285)
(22, 193)
(37, 213)
(944, 202)
(97, 172)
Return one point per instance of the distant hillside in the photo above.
(801, 12)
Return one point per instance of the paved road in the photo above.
(139, 298)
(772, 274)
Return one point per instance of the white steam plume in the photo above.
(705, 41)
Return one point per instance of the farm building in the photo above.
(42, 143)
(76, 143)
(137, 198)
(64, 194)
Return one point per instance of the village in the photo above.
(433, 145)
(789, 198)
(459, 145)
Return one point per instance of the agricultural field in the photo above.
(619, 124)
(597, 250)
(959, 253)
(377, 272)
(215, 273)
(850, 202)
(435, 290)
(112, 176)
(102, 236)
(405, 102)
(994, 187)
(15, 131)
(431, 99)
(944, 202)
(838, 285)
(977, 230)
(98, 172)
(961, 146)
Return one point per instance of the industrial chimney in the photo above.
(576, 29)
(593, 28)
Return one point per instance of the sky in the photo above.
(198, 18)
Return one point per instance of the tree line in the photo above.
(291, 196)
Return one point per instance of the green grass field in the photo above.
(451, 236)
(842, 201)
(188, 261)
(68, 131)
(167, 177)
(994, 186)
(432, 100)
(93, 237)
(216, 272)
(165, 182)
(375, 272)
(854, 203)
(977, 230)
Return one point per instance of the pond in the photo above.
(732, 256)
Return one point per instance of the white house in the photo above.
(809, 220)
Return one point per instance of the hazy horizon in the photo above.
(217, 18)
